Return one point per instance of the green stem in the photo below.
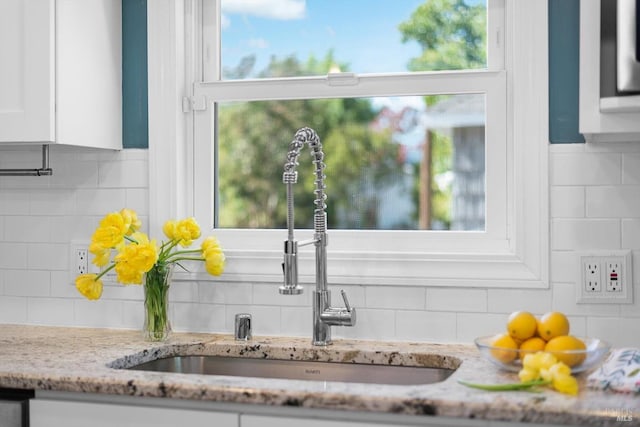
(525, 385)
(155, 302)
(105, 271)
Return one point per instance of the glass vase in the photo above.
(156, 303)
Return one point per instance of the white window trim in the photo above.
(519, 261)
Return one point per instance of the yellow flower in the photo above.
(186, 231)
(89, 286)
(107, 237)
(214, 259)
(527, 374)
(135, 259)
(169, 229)
(101, 255)
(214, 264)
(565, 384)
(539, 360)
(131, 221)
(210, 243)
(135, 254)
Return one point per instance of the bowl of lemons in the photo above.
(525, 333)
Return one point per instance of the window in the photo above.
(381, 231)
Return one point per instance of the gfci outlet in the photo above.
(605, 277)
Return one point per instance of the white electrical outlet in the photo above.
(78, 258)
(614, 275)
(591, 277)
(605, 278)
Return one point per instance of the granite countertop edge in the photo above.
(87, 360)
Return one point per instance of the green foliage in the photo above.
(253, 139)
(451, 33)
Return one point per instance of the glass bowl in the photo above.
(594, 354)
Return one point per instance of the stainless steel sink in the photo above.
(297, 370)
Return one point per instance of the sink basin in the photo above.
(297, 370)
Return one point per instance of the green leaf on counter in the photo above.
(527, 385)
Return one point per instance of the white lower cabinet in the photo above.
(57, 413)
(60, 409)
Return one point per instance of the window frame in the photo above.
(514, 256)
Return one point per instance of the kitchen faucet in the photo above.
(324, 316)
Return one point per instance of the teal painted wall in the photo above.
(564, 62)
(135, 118)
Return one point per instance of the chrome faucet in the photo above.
(324, 316)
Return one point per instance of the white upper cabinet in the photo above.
(61, 72)
(605, 115)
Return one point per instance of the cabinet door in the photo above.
(273, 421)
(27, 89)
(55, 413)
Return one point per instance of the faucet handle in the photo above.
(346, 301)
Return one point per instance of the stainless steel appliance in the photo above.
(14, 407)
(627, 47)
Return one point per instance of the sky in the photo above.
(362, 33)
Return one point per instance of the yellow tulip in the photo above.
(136, 259)
(186, 231)
(89, 286)
(131, 221)
(527, 374)
(214, 262)
(539, 360)
(169, 229)
(565, 384)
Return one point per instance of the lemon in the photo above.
(522, 325)
(567, 349)
(506, 348)
(553, 324)
(532, 345)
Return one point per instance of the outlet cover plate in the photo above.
(603, 293)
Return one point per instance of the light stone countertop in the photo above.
(85, 360)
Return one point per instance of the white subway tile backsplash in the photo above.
(198, 317)
(13, 309)
(564, 300)
(371, 324)
(52, 202)
(101, 314)
(13, 255)
(443, 299)
(237, 293)
(613, 201)
(294, 321)
(100, 201)
(631, 169)
(594, 204)
(48, 256)
(567, 202)
(395, 297)
(51, 311)
(27, 228)
(585, 168)
(123, 174)
(630, 234)
(510, 300)
(564, 266)
(426, 326)
(585, 234)
(470, 326)
(27, 283)
(14, 202)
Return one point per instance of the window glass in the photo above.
(410, 162)
(361, 36)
